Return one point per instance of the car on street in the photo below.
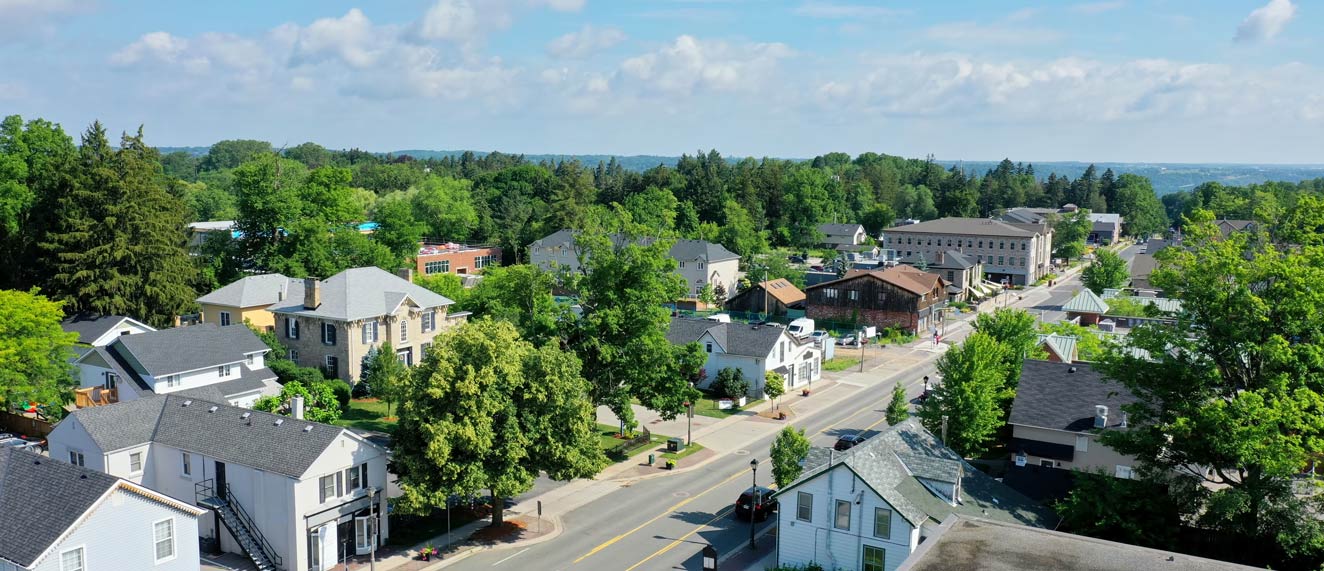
(795, 259)
(23, 444)
(818, 335)
(847, 441)
(756, 503)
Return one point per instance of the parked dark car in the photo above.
(847, 441)
(756, 501)
(795, 259)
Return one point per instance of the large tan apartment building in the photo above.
(1014, 254)
(340, 320)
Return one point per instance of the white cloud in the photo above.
(835, 10)
(1070, 90)
(562, 5)
(688, 65)
(584, 42)
(160, 46)
(1266, 21)
(1098, 7)
(352, 38)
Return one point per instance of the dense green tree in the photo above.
(445, 206)
(385, 374)
(1107, 271)
(1303, 224)
(621, 335)
(519, 294)
(807, 206)
(1134, 199)
(319, 401)
(898, 409)
(397, 227)
(654, 209)
(487, 410)
(1069, 234)
(877, 218)
(1090, 346)
(312, 155)
(788, 451)
(969, 397)
(739, 234)
(1231, 395)
(30, 195)
(232, 153)
(449, 285)
(1147, 512)
(118, 245)
(34, 351)
(1015, 330)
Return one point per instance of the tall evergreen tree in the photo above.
(118, 246)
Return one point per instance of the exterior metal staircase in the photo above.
(241, 526)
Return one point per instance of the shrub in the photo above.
(731, 383)
(361, 390)
(342, 392)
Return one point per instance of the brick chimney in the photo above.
(406, 274)
(312, 293)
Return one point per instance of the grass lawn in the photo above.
(707, 406)
(840, 363)
(683, 453)
(607, 441)
(367, 414)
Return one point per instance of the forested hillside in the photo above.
(89, 221)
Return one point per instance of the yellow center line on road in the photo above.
(668, 511)
(681, 539)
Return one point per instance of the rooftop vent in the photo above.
(1071, 369)
(188, 402)
(246, 415)
(279, 421)
(308, 428)
(213, 408)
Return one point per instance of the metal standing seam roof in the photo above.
(256, 291)
(1086, 301)
(42, 498)
(1062, 396)
(90, 327)
(361, 293)
(891, 462)
(181, 349)
(230, 434)
(970, 226)
(1063, 345)
(1164, 304)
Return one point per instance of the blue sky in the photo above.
(1123, 80)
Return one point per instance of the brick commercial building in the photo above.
(452, 258)
(1015, 253)
(901, 296)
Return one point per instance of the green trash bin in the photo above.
(651, 459)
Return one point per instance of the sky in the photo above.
(1196, 81)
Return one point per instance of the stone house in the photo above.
(1015, 253)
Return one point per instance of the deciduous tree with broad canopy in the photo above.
(489, 411)
(970, 395)
(34, 350)
(788, 450)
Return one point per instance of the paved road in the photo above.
(662, 523)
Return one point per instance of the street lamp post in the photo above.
(754, 503)
(372, 521)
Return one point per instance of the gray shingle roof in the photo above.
(969, 226)
(361, 293)
(40, 499)
(256, 291)
(1025, 215)
(224, 434)
(847, 230)
(1051, 395)
(90, 327)
(250, 381)
(951, 259)
(180, 349)
(1105, 218)
(968, 544)
(891, 462)
(735, 338)
(1086, 301)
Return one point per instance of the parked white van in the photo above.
(802, 327)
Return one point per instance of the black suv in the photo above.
(756, 502)
(848, 441)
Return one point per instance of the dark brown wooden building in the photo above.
(900, 296)
(773, 297)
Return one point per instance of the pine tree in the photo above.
(117, 246)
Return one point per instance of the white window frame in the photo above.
(352, 479)
(186, 465)
(404, 329)
(429, 320)
(1124, 472)
(135, 462)
(292, 355)
(156, 541)
(251, 358)
(328, 334)
(112, 381)
(291, 328)
(223, 371)
(836, 515)
(804, 510)
(323, 493)
(370, 332)
(82, 559)
(77, 458)
(225, 318)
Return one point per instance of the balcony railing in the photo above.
(95, 396)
